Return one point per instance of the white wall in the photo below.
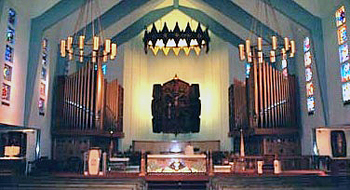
(339, 113)
(210, 71)
(13, 114)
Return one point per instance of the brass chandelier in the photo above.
(274, 47)
(176, 39)
(77, 46)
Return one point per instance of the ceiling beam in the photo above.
(113, 15)
(38, 25)
(295, 12)
(214, 26)
(243, 18)
(137, 27)
(298, 14)
(140, 25)
(50, 17)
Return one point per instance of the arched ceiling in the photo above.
(233, 20)
(230, 20)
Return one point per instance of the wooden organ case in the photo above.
(89, 113)
(264, 107)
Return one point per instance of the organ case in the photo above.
(264, 106)
(89, 112)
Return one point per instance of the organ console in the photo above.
(89, 112)
(264, 106)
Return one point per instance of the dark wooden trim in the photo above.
(90, 132)
(266, 131)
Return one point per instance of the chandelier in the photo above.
(77, 44)
(249, 51)
(176, 39)
(274, 47)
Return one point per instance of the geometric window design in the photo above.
(42, 89)
(340, 16)
(345, 72)
(346, 92)
(310, 104)
(9, 54)
(41, 105)
(43, 76)
(7, 72)
(342, 35)
(12, 17)
(343, 53)
(6, 91)
(10, 35)
(343, 49)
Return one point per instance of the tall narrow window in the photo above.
(9, 57)
(309, 77)
(343, 53)
(43, 77)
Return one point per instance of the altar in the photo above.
(176, 163)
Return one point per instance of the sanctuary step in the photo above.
(31, 183)
(155, 185)
(278, 182)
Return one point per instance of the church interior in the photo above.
(182, 91)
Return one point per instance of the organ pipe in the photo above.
(270, 98)
(90, 103)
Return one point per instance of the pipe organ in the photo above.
(89, 112)
(264, 106)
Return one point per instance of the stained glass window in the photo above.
(284, 64)
(342, 36)
(309, 76)
(309, 89)
(247, 70)
(44, 44)
(307, 59)
(310, 104)
(43, 76)
(12, 17)
(345, 72)
(346, 92)
(43, 73)
(10, 35)
(42, 89)
(44, 58)
(41, 106)
(6, 91)
(9, 56)
(9, 53)
(340, 16)
(306, 44)
(104, 69)
(7, 72)
(343, 53)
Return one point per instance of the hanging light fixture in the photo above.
(261, 51)
(176, 39)
(271, 51)
(77, 44)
